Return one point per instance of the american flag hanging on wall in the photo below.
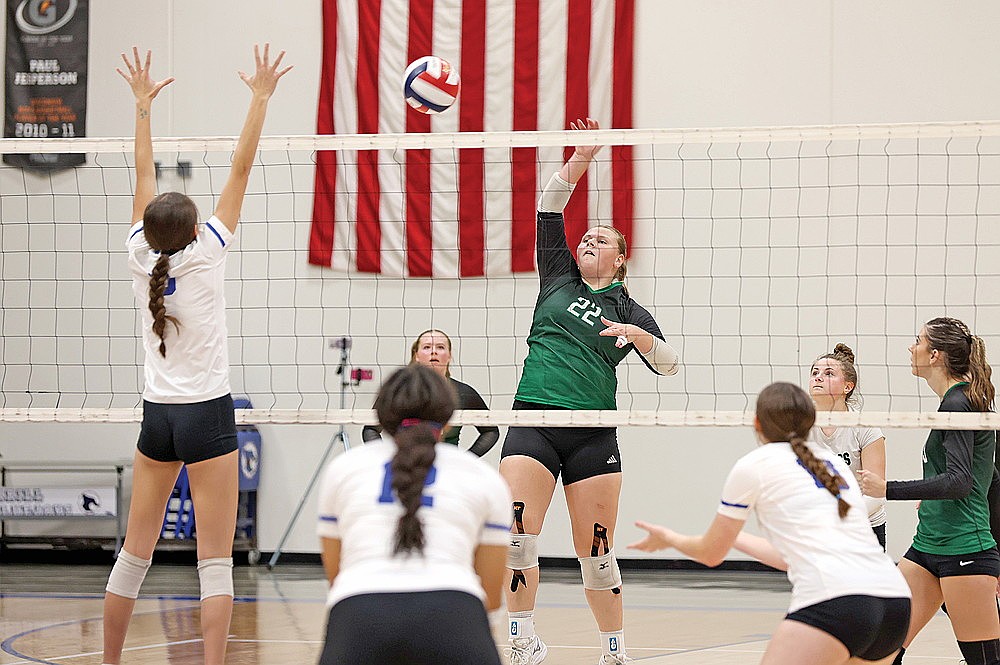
(525, 65)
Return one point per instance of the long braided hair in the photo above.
(169, 225)
(786, 413)
(413, 406)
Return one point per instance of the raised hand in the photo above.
(586, 151)
(659, 538)
(265, 78)
(143, 86)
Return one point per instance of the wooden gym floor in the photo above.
(51, 613)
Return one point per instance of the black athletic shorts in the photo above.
(871, 628)
(188, 432)
(416, 628)
(986, 562)
(578, 452)
(880, 534)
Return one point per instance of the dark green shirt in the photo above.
(954, 514)
(569, 364)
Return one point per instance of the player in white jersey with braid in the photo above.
(833, 380)
(178, 268)
(849, 602)
(414, 537)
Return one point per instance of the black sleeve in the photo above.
(957, 480)
(470, 399)
(370, 433)
(551, 251)
(639, 316)
(993, 500)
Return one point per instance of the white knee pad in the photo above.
(127, 575)
(601, 573)
(523, 551)
(216, 577)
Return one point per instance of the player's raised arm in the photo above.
(145, 90)
(262, 84)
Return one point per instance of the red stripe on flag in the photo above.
(524, 161)
(418, 162)
(368, 223)
(471, 180)
(321, 232)
(577, 105)
(622, 176)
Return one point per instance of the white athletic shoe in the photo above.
(527, 650)
(620, 659)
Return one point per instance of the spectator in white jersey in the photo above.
(414, 536)
(833, 383)
(433, 348)
(178, 267)
(849, 603)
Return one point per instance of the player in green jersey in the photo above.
(584, 324)
(953, 556)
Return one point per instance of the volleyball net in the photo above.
(756, 250)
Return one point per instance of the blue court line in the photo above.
(100, 596)
(6, 647)
(317, 601)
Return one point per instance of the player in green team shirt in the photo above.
(953, 556)
(584, 324)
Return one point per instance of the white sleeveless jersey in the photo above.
(847, 443)
(196, 367)
(827, 556)
(465, 504)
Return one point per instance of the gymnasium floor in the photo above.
(51, 614)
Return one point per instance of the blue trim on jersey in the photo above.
(132, 235)
(216, 233)
(327, 518)
(493, 525)
(734, 505)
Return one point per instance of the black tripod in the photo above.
(346, 376)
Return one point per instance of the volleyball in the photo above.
(430, 84)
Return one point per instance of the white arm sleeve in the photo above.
(556, 195)
(662, 357)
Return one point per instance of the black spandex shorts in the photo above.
(417, 628)
(986, 562)
(871, 628)
(577, 452)
(880, 534)
(188, 432)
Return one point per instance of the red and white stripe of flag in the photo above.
(525, 65)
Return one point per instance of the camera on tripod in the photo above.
(357, 374)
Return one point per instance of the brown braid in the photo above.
(786, 413)
(413, 405)
(820, 470)
(157, 285)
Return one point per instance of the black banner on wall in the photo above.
(45, 90)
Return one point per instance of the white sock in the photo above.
(522, 624)
(613, 643)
